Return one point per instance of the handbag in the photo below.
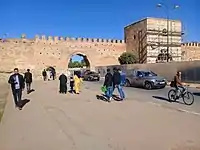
(103, 89)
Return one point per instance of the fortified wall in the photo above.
(42, 52)
(190, 51)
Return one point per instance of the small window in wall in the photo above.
(40, 53)
(134, 37)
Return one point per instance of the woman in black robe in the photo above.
(63, 84)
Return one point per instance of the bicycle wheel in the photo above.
(188, 98)
(172, 95)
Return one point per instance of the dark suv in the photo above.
(91, 76)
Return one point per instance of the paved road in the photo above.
(157, 97)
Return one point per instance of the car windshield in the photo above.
(148, 73)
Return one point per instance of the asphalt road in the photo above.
(158, 97)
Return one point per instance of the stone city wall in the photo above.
(42, 52)
(190, 51)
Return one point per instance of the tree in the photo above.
(23, 36)
(127, 58)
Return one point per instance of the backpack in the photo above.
(172, 84)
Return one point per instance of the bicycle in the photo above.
(188, 97)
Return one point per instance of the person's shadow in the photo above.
(24, 102)
(103, 97)
(32, 90)
(72, 91)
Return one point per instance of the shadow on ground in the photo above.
(166, 99)
(103, 97)
(24, 102)
(32, 90)
(196, 93)
(72, 91)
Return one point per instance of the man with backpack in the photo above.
(44, 74)
(117, 83)
(178, 84)
(108, 83)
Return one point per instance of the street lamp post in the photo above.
(167, 13)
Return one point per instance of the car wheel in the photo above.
(148, 85)
(127, 83)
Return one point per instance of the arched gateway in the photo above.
(41, 52)
(86, 59)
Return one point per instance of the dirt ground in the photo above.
(52, 121)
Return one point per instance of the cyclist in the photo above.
(178, 84)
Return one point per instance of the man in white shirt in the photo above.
(16, 81)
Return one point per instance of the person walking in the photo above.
(44, 74)
(117, 83)
(108, 83)
(63, 83)
(28, 80)
(53, 73)
(77, 82)
(71, 84)
(16, 81)
(123, 77)
(48, 75)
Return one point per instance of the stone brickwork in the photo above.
(42, 52)
(190, 51)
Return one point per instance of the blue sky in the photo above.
(90, 18)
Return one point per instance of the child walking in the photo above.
(71, 84)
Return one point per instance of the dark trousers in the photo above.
(17, 95)
(28, 87)
(45, 78)
(53, 77)
(72, 85)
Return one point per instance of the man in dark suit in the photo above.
(28, 80)
(16, 81)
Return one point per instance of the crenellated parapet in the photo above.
(57, 39)
(191, 44)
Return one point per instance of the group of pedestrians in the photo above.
(113, 81)
(17, 82)
(49, 74)
(75, 83)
